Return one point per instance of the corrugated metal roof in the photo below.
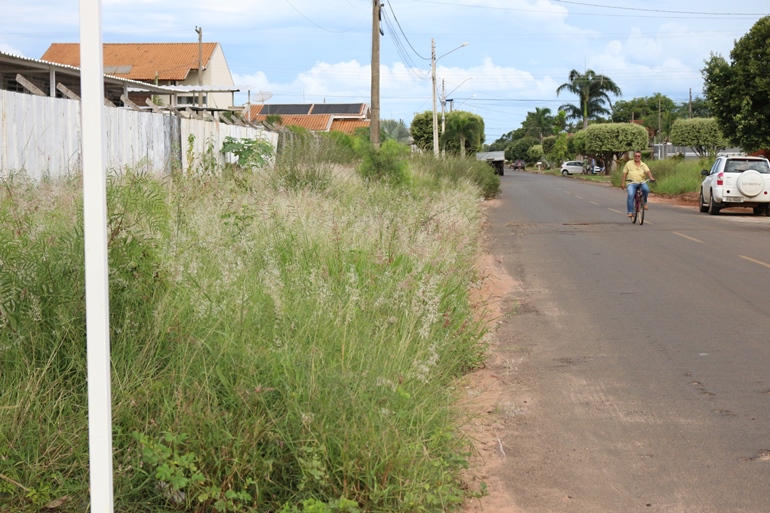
(139, 61)
(8, 58)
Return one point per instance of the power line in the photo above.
(665, 11)
(660, 15)
(402, 32)
(324, 28)
(413, 69)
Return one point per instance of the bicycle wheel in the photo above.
(641, 211)
(636, 208)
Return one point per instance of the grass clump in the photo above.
(452, 170)
(282, 340)
(673, 176)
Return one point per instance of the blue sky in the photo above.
(518, 52)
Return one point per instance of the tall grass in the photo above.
(281, 340)
(672, 176)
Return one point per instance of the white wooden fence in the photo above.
(41, 137)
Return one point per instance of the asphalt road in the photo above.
(637, 358)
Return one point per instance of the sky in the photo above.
(518, 51)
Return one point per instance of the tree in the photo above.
(560, 151)
(699, 107)
(396, 130)
(539, 123)
(577, 143)
(464, 132)
(535, 153)
(612, 140)
(548, 143)
(422, 130)
(593, 92)
(739, 91)
(657, 113)
(700, 134)
(519, 149)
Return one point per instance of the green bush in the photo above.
(387, 164)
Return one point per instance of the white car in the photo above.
(575, 167)
(736, 182)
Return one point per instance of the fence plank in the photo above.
(41, 136)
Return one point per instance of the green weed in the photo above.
(280, 340)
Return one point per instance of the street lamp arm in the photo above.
(450, 51)
(458, 87)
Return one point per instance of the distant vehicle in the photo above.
(496, 159)
(575, 167)
(736, 182)
(519, 164)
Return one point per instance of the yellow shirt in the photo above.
(636, 173)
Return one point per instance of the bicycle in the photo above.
(638, 202)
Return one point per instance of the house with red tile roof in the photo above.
(316, 117)
(164, 64)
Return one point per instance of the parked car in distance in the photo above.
(736, 182)
(519, 164)
(575, 167)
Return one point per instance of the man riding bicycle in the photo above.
(634, 173)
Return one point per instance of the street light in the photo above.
(465, 100)
(444, 100)
(433, 77)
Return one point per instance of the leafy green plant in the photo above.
(387, 164)
(251, 153)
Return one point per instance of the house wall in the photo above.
(41, 136)
(217, 73)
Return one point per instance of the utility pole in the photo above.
(691, 103)
(199, 30)
(433, 79)
(374, 122)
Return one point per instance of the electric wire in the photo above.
(390, 5)
(411, 66)
(324, 28)
(702, 16)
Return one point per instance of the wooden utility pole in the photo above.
(199, 30)
(691, 102)
(374, 122)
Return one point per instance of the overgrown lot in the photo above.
(282, 339)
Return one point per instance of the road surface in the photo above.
(634, 360)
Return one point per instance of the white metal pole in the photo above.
(95, 232)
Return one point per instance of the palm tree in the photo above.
(463, 129)
(539, 123)
(392, 129)
(593, 91)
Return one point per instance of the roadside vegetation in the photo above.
(284, 338)
(674, 176)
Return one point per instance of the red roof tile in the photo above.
(139, 61)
